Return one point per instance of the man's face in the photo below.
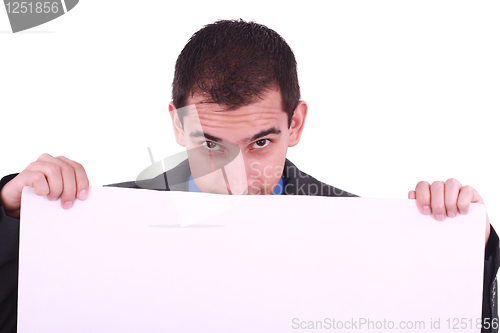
(256, 135)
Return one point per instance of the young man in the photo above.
(236, 108)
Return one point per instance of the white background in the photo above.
(398, 91)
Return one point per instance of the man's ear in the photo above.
(178, 129)
(297, 125)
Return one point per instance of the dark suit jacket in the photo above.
(298, 183)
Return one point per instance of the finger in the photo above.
(38, 181)
(68, 194)
(82, 181)
(411, 195)
(61, 179)
(451, 191)
(33, 179)
(52, 173)
(467, 196)
(423, 196)
(45, 157)
(69, 187)
(437, 201)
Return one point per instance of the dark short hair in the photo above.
(234, 62)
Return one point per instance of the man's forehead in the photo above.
(269, 101)
(245, 118)
(211, 113)
(202, 114)
(203, 110)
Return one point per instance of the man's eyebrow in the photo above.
(200, 134)
(263, 133)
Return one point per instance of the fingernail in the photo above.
(67, 205)
(53, 199)
(440, 217)
(427, 210)
(451, 214)
(82, 195)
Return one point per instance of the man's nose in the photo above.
(236, 176)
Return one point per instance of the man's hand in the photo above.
(55, 177)
(443, 199)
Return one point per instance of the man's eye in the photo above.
(261, 143)
(211, 145)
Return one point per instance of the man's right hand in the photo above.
(55, 177)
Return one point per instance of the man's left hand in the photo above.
(446, 199)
